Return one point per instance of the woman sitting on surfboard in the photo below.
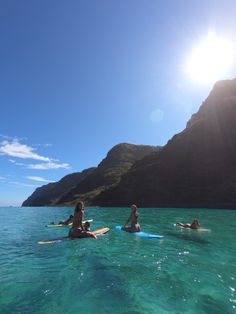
(194, 225)
(133, 219)
(78, 230)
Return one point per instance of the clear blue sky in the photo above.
(78, 77)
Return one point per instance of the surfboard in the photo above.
(199, 229)
(69, 225)
(60, 239)
(142, 234)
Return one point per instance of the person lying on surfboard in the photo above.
(64, 222)
(78, 230)
(194, 225)
(133, 220)
(67, 221)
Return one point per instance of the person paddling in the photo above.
(78, 230)
(64, 222)
(87, 226)
(194, 225)
(133, 220)
(67, 221)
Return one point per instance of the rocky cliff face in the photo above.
(108, 173)
(89, 183)
(48, 194)
(197, 167)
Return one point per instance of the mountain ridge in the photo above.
(89, 183)
(196, 168)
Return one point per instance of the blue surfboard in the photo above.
(142, 234)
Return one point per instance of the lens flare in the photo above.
(211, 59)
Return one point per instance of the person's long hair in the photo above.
(79, 206)
(134, 209)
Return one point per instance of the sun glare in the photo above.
(211, 59)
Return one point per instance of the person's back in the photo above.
(78, 216)
(77, 226)
(133, 219)
(195, 224)
(77, 230)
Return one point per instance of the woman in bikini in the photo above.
(133, 220)
(78, 230)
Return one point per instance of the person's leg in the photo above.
(183, 225)
(91, 235)
(75, 233)
(87, 234)
(137, 228)
(127, 229)
(83, 234)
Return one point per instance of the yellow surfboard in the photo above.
(60, 239)
(69, 225)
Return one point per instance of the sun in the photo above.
(211, 59)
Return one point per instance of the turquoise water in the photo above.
(185, 272)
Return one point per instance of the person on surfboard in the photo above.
(64, 222)
(194, 225)
(133, 220)
(78, 230)
(87, 226)
(67, 221)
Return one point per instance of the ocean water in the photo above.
(185, 272)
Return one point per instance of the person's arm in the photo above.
(195, 226)
(183, 225)
(67, 221)
(127, 221)
(81, 216)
